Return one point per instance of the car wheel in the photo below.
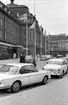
(16, 86)
(66, 72)
(45, 80)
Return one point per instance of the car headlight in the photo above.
(58, 70)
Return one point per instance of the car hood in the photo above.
(52, 66)
(41, 71)
(5, 76)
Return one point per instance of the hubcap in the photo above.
(16, 86)
(45, 80)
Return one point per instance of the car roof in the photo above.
(19, 64)
(57, 59)
(28, 55)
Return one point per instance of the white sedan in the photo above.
(28, 59)
(14, 76)
(56, 66)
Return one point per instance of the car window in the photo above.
(4, 68)
(27, 69)
(9, 69)
(13, 70)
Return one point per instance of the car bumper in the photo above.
(4, 87)
(55, 73)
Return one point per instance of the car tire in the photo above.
(66, 72)
(15, 87)
(45, 80)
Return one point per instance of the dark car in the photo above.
(59, 55)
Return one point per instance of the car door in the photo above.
(23, 73)
(34, 75)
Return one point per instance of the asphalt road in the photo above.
(55, 92)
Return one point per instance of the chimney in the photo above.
(12, 1)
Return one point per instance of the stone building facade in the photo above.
(13, 30)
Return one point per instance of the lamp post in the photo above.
(45, 40)
(41, 40)
(35, 30)
(27, 36)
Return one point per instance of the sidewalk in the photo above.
(9, 61)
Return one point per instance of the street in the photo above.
(55, 92)
(30, 31)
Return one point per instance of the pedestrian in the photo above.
(34, 61)
(22, 58)
(14, 55)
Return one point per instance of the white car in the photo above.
(56, 66)
(49, 57)
(28, 59)
(15, 75)
(43, 58)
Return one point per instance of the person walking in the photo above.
(34, 61)
(14, 55)
(22, 58)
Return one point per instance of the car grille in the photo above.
(51, 70)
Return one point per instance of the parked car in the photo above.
(57, 66)
(43, 58)
(15, 75)
(59, 55)
(49, 57)
(28, 59)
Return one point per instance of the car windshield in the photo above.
(55, 62)
(9, 69)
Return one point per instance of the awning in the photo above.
(21, 47)
(6, 44)
(11, 45)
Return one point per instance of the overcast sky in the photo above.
(51, 14)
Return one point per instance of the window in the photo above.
(5, 24)
(13, 27)
(16, 30)
(1, 21)
(9, 26)
(24, 31)
(0, 5)
(28, 69)
(9, 36)
(1, 33)
(9, 69)
(5, 35)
